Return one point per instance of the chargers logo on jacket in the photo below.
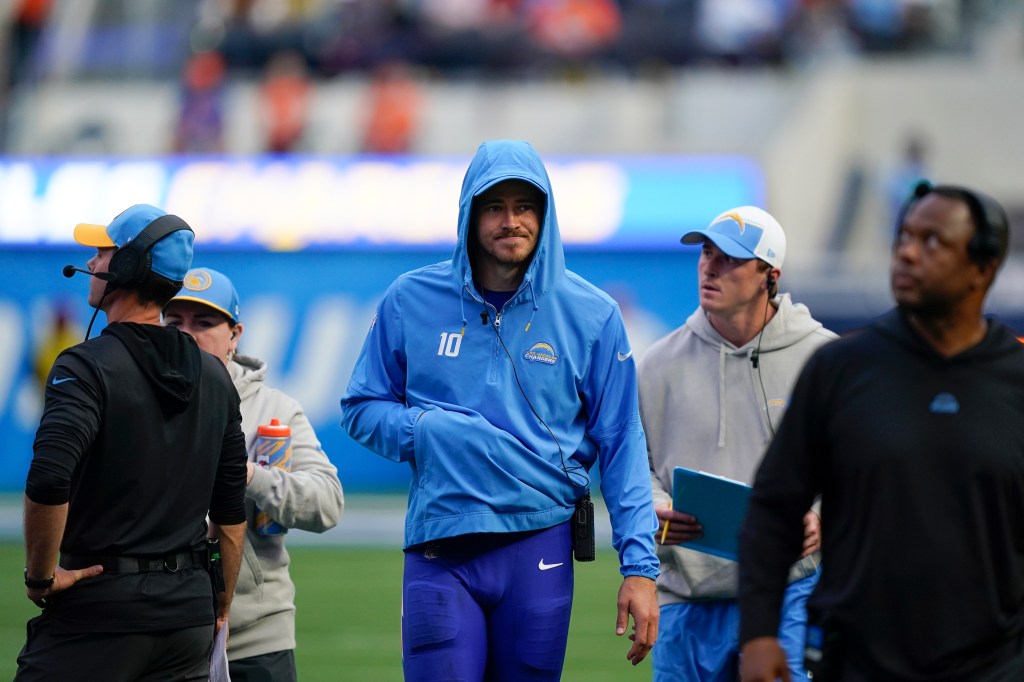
(541, 352)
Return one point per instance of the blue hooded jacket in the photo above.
(499, 432)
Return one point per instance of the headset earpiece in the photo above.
(989, 241)
(991, 225)
(132, 262)
(125, 266)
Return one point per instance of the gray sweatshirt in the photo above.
(703, 407)
(309, 497)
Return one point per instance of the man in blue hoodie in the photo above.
(500, 421)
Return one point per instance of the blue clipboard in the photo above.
(718, 503)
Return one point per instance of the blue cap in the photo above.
(171, 256)
(211, 288)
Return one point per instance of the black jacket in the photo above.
(141, 434)
(920, 463)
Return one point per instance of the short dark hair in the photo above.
(156, 289)
(991, 239)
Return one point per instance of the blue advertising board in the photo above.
(306, 314)
(295, 203)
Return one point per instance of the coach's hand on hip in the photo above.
(62, 580)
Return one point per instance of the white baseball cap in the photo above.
(744, 232)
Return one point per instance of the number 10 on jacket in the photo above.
(273, 449)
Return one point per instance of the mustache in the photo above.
(513, 233)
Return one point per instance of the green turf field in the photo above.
(348, 616)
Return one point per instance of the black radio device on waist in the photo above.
(583, 529)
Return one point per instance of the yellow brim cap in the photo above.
(88, 234)
(203, 301)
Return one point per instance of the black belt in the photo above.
(171, 563)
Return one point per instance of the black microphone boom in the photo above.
(70, 270)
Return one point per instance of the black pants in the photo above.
(143, 657)
(1006, 667)
(278, 666)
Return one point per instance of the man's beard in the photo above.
(476, 250)
(512, 258)
(927, 307)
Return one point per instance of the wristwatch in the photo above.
(44, 584)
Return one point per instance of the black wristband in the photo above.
(44, 584)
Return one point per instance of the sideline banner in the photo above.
(370, 202)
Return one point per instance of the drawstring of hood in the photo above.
(466, 290)
(790, 325)
(721, 395)
(533, 297)
(495, 162)
(462, 302)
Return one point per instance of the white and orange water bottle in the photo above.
(273, 449)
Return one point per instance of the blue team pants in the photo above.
(699, 641)
(489, 606)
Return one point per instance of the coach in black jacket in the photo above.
(912, 431)
(140, 437)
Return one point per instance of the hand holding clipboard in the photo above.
(719, 505)
(676, 527)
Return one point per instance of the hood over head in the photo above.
(494, 162)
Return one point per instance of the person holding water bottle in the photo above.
(291, 483)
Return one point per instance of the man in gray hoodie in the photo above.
(712, 393)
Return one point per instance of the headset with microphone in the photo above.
(70, 270)
(131, 263)
(755, 357)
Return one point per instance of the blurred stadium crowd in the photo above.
(515, 36)
(290, 47)
(96, 38)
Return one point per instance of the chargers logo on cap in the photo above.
(735, 216)
(198, 280)
(541, 352)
